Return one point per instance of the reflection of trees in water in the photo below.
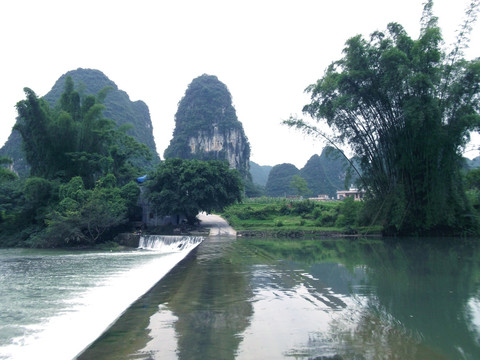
(402, 301)
(207, 301)
(374, 334)
(426, 286)
(419, 300)
(419, 309)
(212, 306)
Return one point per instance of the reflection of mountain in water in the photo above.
(308, 299)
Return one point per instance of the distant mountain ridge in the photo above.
(118, 105)
(259, 173)
(324, 174)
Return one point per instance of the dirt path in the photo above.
(217, 225)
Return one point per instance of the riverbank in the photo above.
(303, 234)
(216, 225)
(294, 218)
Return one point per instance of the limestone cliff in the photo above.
(207, 128)
(231, 142)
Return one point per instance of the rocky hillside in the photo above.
(118, 105)
(207, 128)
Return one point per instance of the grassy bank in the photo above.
(277, 215)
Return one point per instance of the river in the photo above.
(53, 304)
(292, 299)
(308, 299)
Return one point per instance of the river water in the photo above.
(279, 299)
(53, 304)
(308, 299)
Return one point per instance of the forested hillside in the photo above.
(279, 179)
(324, 174)
(118, 107)
(259, 173)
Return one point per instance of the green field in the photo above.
(276, 214)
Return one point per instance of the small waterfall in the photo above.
(166, 243)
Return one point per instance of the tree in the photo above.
(80, 188)
(84, 216)
(187, 187)
(406, 108)
(74, 139)
(6, 174)
(299, 184)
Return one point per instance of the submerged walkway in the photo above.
(217, 225)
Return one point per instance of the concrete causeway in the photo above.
(217, 225)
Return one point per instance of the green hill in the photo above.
(118, 105)
(325, 174)
(207, 128)
(279, 179)
(259, 173)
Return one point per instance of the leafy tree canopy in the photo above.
(74, 139)
(188, 187)
(83, 216)
(300, 186)
(406, 108)
(6, 174)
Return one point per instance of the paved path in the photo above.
(217, 225)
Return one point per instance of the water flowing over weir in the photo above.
(63, 301)
(168, 243)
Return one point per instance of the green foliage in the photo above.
(405, 107)
(83, 216)
(325, 174)
(268, 213)
(117, 106)
(473, 179)
(187, 187)
(11, 203)
(81, 190)
(6, 174)
(252, 189)
(348, 213)
(74, 139)
(279, 179)
(300, 186)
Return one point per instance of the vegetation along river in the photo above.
(272, 299)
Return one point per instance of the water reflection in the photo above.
(308, 299)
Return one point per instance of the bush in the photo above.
(349, 213)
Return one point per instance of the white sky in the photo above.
(266, 52)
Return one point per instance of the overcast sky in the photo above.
(265, 52)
